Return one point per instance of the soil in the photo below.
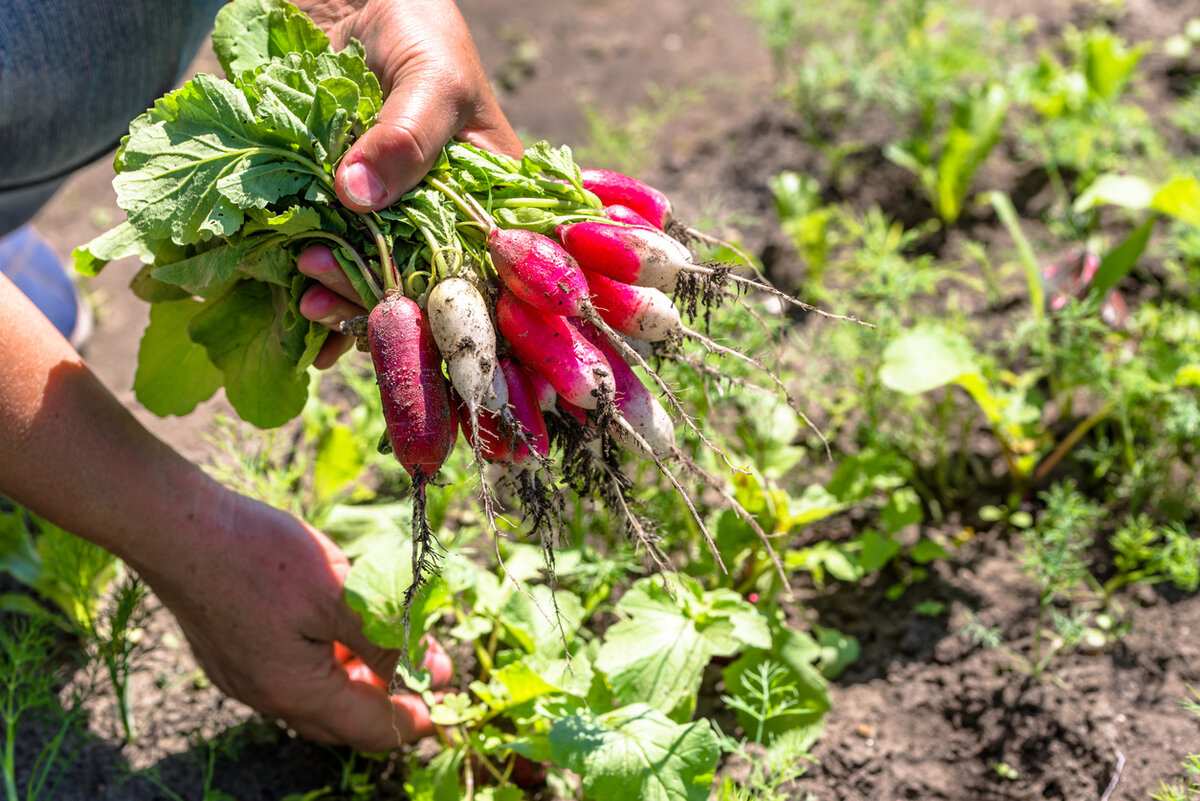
(923, 714)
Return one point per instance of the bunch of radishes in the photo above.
(535, 341)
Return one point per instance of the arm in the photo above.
(257, 592)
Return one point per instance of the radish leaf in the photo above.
(637, 752)
(173, 373)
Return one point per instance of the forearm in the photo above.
(70, 452)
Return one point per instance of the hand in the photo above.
(435, 89)
(261, 603)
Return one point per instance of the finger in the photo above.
(437, 662)
(364, 718)
(349, 631)
(332, 349)
(393, 156)
(327, 307)
(319, 262)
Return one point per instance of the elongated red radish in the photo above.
(549, 345)
(633, 400)
(613, 188)
(651, 258)
(539, 271)
(532, 441)
(626, 215)
(462, 327)
(420, 419)
(639, 311)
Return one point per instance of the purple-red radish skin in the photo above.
(639, 311)
(421, 420)
(615, 189)
(527, 410)
(539, 271)
(548, 344)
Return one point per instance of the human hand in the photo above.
(435, 89)
(261, 602)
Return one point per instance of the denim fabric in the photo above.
(73, 73)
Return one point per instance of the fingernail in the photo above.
(363, 186)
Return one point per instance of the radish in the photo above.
(420, 419)
(626, 215)
(639, 311)
(542, 389)
(648, 257)
(462, 328)
(539, 271)
(634, 255)
(613, 188)
(533, 442)
(641, 409)
(547, 344)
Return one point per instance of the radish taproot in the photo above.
(421, 422)
(539, 271)
(462, 328)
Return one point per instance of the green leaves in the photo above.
(926, 358)
(657, 653)
(637, 752)
(173, 373)
(262, 348)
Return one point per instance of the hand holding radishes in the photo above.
(500, 286)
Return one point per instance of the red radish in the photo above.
(613, 188)
(342, 654)
(641, 409)
(527, 410)
(639, 311)
(462, 327)
(633, 255)
(539, 271)
(420, 419)
(546, 396)
(492, 444)
(548, 344)
(626, 215)
(579, 414)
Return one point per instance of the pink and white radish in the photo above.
(547, 344)
(613, 188)
(639, 311)
(539, 271)
(626, 215)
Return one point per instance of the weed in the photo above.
(27, 697)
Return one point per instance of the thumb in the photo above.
(397, 152)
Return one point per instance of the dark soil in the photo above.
(923, 714)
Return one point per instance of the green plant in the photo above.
(1054, 556)
(28, 685)
(946, 161)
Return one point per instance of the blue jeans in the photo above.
(73, 73)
